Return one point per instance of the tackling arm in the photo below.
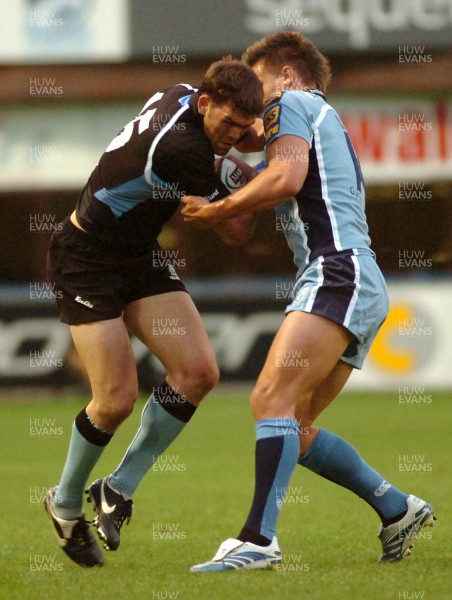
(237, 231)
(288, 158)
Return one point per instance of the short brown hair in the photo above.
(291, 48)
(229, 81)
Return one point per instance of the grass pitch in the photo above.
(200, 492)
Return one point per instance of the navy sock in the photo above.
(277, 451)
(333, 458)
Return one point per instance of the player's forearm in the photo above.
(271, 187)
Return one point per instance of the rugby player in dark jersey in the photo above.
(110, 281)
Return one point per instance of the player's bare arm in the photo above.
(288, 158)
(233, 232)
(238, 230)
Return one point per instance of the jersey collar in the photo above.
(194, 107)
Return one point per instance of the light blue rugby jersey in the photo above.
(328, 213)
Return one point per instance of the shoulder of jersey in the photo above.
(276, 97)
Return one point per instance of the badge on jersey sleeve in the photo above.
(272, 116)
(276, 97)
(271, 122)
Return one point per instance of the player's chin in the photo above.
(222, 149)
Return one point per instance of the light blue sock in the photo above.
(332, 457)
(157, 430)
(81, 459)
(277, 451)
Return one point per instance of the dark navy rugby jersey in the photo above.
(159, 156)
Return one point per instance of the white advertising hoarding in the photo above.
(55, 31)
(410, 356)
(55, 147)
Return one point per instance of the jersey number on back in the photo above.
(143, 120)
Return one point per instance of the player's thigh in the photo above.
(305, 350)
(171, 327)
(106, 353)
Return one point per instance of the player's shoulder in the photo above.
(283, 105)
(308, 104)
(183, 93)
(296, 96)
(184, 144)
(273, 98)
(297, 100)
(180, 90)
(169, 100)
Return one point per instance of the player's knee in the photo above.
(261, 399)
(212, 375)
(198, 380)
(269, 400)
(205, 376)
(264, 401)
(307, 436)
(117, 403)
(125, 407)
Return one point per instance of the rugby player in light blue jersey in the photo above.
(313, 181)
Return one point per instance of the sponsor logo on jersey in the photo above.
(213, 195)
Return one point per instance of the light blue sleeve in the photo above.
(287, 116)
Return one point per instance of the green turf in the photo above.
(327, 535)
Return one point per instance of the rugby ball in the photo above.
(230, 173)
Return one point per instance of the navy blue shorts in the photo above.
(348, 288)
(92, 282)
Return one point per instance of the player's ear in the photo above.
(203, 103)
(287, 76)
